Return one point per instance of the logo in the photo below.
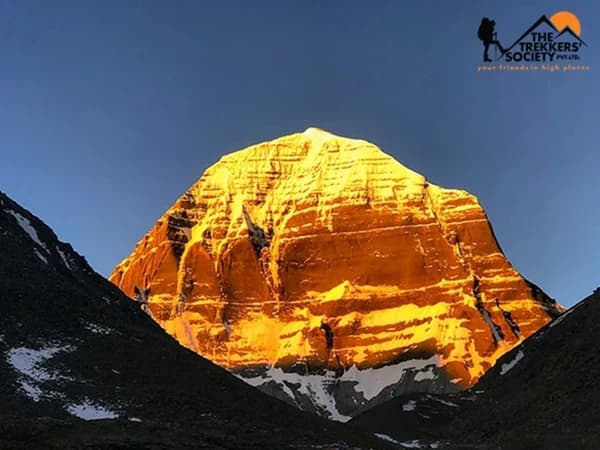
(547, 45)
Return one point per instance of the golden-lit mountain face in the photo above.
(320, 256)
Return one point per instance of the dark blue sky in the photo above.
(109, 110)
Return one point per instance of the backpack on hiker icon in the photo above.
(486, 30)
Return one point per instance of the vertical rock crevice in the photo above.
(179, 227)
(514, 327)
(329, 342)
(257, 235)
(328, 335)
(497, 333)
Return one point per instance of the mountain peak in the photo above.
(319, 137)
(315, 131)
(309, 158)
(316, 254)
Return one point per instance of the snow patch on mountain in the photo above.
(39, 255)
(409, 406)
(509, 365)
(385, 437)
(320, 388)
(426, 375)
(442, 401)
(315, 387)
(88, 410)
(418, 444)
(407, 444)
(29, 363)
(411, 444)
(98, 329)
(27, 227)
(64, 258)
(370, 382)
(562, 317)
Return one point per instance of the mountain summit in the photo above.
(323, 271)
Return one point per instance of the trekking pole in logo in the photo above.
(495, 48)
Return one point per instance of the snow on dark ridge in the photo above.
(415, 443)
(563, 316)
(89, 410)
(99, 329)
(509, 365)
(387, 438)
(64, 258)
(39, 255)
(29, 363)
(409, 406)
(23, 226)
(442, 400)
(27, 227)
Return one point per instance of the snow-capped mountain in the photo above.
(324, 272)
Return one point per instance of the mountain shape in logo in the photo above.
(542, 20)
(568, 31)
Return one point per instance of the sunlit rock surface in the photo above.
(323, 271)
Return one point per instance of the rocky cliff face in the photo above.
(323, 271)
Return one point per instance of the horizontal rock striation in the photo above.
(323, 271)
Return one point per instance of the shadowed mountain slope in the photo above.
(73, 347)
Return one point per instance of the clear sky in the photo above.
(109, 110)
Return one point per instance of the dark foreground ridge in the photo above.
(72, 346)
(543, 394)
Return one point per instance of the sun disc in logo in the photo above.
(563, 19)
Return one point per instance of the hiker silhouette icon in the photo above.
(488, 36)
